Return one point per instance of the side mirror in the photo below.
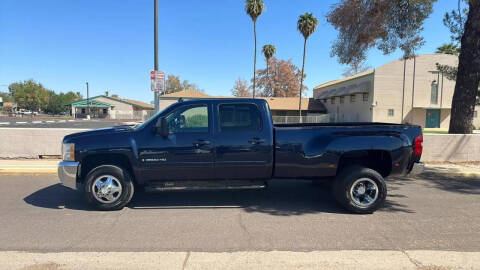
(162, 127)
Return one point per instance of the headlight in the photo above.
(68, 152)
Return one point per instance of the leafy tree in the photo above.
(455, 22)
(268, 50)
(187, 85)
(307, 24)
(355, 67)
(389, 25)
(173, 84)
(6, 97)
(115, 96)
(254, 9)
(449, 48)
(29, 95)
(283, 77)
(58, 102)
(241, 89)
(384, 24)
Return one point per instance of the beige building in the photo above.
(111, 107)
(410, 91)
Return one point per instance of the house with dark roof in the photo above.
(110, 107)
(280, 107)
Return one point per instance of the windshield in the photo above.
(144, 124)
(149, 120)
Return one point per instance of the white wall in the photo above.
(32, 142)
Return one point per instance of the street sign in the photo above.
(157, 81)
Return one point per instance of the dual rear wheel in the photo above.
(360, 189)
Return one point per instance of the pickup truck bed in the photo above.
(232, 143)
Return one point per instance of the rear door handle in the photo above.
(256, 141)
(200, 142)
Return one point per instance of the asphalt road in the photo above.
(29, 122)
(431, 213)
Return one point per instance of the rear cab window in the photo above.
(239, 118)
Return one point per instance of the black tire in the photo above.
(124, 179)
(342, 188)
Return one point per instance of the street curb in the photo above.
(344, 259)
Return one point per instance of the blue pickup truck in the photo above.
(233, 144)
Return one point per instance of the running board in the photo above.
(205, 185)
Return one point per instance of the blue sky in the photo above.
(109, 43)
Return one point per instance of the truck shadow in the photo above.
(451, 180)
(281, 198)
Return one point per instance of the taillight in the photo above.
(417, 145)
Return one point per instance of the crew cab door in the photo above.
(244, 141)
(187, 153)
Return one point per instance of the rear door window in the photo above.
(239, 117)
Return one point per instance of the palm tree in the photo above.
(449, 48)
(268, 50)
(307, 24)
(254, 8)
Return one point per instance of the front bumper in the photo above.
(67, 172)
(417, 168)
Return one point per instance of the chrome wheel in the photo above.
(364, 192)
(106, 189)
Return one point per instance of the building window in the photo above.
(332, 101)
(352, 98)
(104, 111)
(83, 111)
(342, 100)
(365, 96)
(434, 95)
(390, 112)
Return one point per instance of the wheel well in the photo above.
(378, 160)
(90, 162)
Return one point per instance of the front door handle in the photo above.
(256, 141)
(200, 142)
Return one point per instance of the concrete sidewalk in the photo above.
(50, 166)
(424, 260)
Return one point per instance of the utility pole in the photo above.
(155, 48)
(88, 102)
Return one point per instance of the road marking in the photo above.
(50, 121)
(36, 122)
(4, 123)
(62, 121)
(20, 122)
(71, 120)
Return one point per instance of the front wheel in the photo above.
(360, 189)
(108, 187)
